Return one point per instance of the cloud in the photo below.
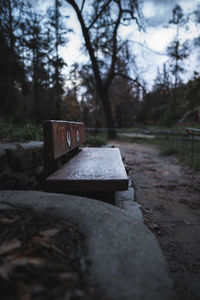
(164, 2)
(159, 12)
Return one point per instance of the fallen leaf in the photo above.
(68, 275)
(10, 245)
(44, 241)
(70, 229)
(7, 221)
(23, 290)
(48, 243)
(26, 253)
(49, 232)
(5, 269)
(23, 261)
(54, 247)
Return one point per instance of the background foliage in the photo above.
(33, 87)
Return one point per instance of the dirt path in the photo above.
(170, 198)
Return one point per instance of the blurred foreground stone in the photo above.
(126, 259)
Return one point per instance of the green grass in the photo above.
(10, 132)
(96, 140)
(13, 132)
(180, 147)
(157, 128)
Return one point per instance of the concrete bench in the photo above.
(90, 172)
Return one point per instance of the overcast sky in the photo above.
(158, 34)
(156, 37)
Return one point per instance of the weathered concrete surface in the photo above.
(125, 200)
(126, 258)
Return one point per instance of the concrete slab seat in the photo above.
(91, 172)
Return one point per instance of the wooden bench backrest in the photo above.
(61, 137)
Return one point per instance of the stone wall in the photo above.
(21, 165)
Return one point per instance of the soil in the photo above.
(42, 257)
(169, 195)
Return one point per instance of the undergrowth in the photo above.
(10, 132)
(13, 132)
(95, 140)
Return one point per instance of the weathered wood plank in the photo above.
(61, 137)
(93, 169)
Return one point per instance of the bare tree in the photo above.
(100, 28)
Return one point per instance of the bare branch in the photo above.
(87, 39)
(82, 5)
(114, 52)
(99, 14)
(132, 79)
(127, 11)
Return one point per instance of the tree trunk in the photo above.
(36, 85)
(111, 131)
(57, 58)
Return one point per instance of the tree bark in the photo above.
(56, 67)
(103, 95)
(101, 89)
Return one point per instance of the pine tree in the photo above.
(177, 53)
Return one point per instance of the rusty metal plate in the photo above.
(93, 169)
(190, 130)
(61, 137)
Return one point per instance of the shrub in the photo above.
(97, 140)
(13, 132)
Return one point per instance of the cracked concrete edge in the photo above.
(126, 201)
(126, 259)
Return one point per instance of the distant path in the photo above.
(170, 198)
(138, 135)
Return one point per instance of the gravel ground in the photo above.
(169, 195)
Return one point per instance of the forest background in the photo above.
(108, 89)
